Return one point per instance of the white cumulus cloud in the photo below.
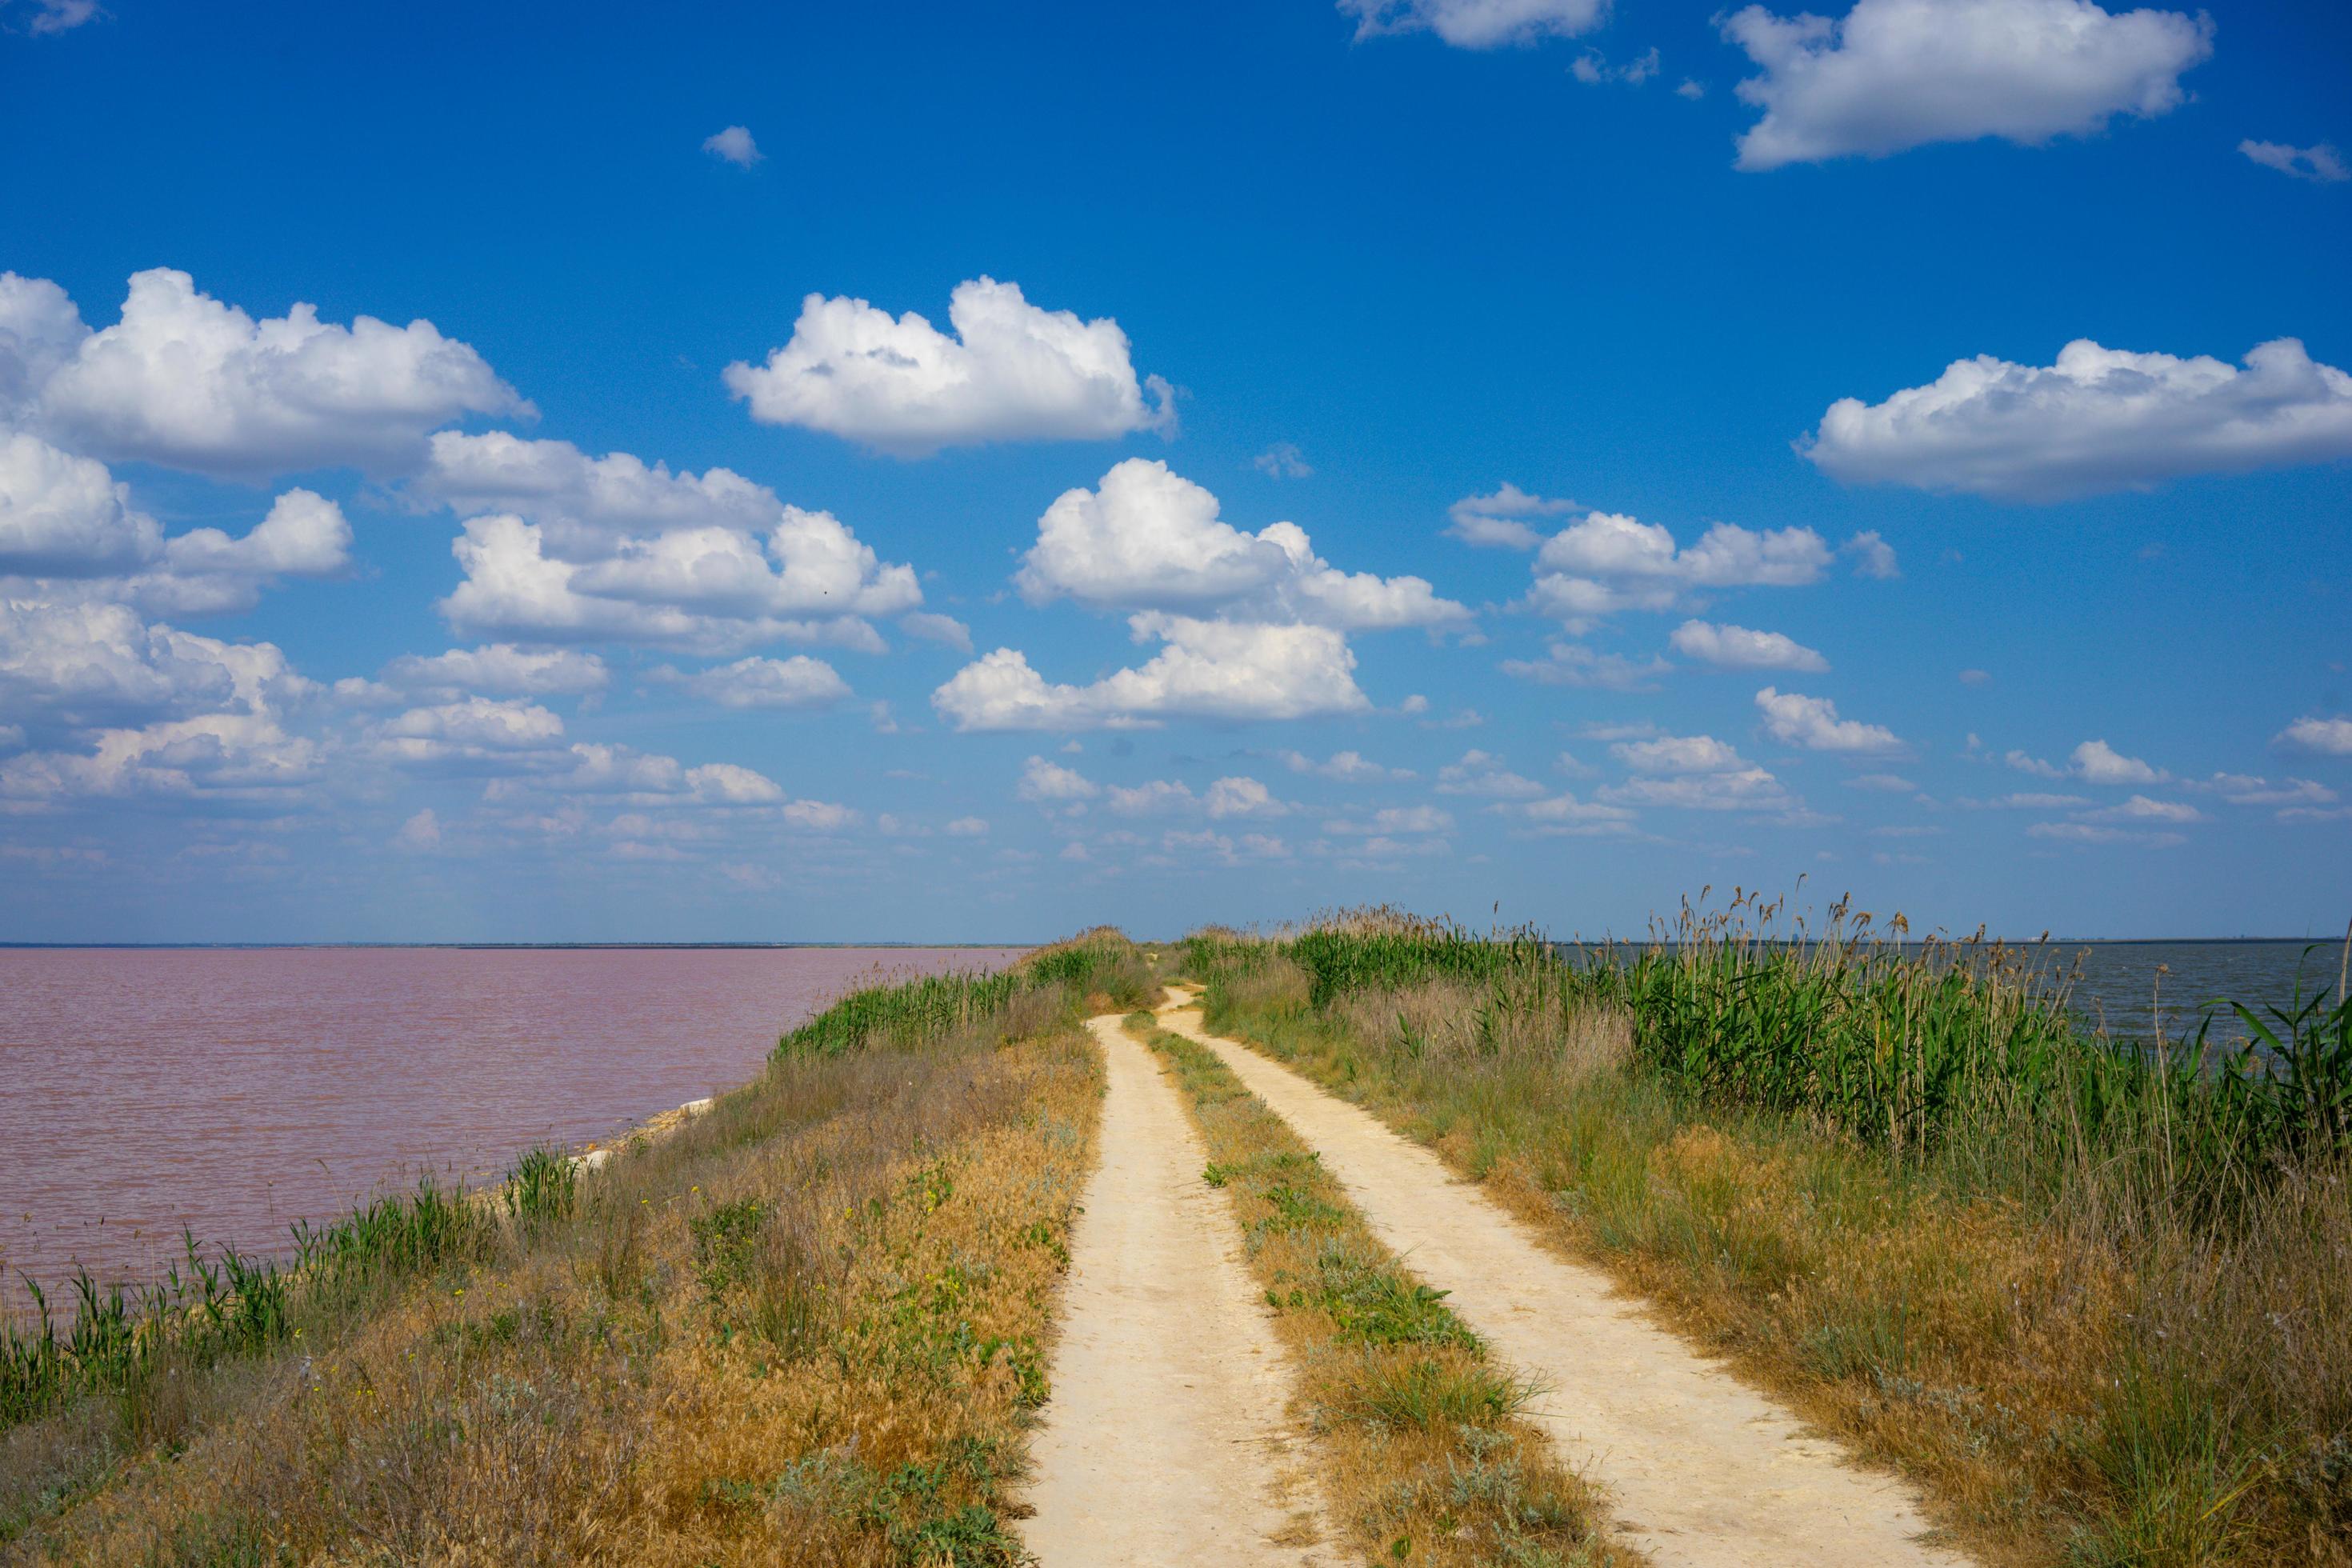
(2095, 762)
(468, 727)
(1148, 538)
(1812, 722)
(123, 708)
(205, 570)
(2099, 419)
(2031, 801)
(1478, 24)
(1395, 819)
(187, 381)
(1483, 773)
(2141, 809)
(1610, 545)
(1738, 647)
(63, 516)
(1284, 460)
(304, 535)
(53, 16)
(499, 668)
(1011, 372)
(68, 528)
(1206, 669)
(1047, 780)
(937, 629)
(1241, 796)
(1873, 556)
(1738, 789)
(96, 663)
(1227, 798)
(733, 146)
(2088, 833)
(594, 773)
(213, 756)
(41, 331)
(1351, 767)
(1565, 815)
(1572, 664)
(799, 681)
(2329, 737)
(587, 505)
(1592, 69)
(1606, 563)
(1499, 522)
(704, 589)
(1897, 74)
(2320, 164)
(1150, 798)
(560, 546)
(1254, 625)
(2243, 789)
(1679, 755)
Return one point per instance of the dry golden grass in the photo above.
(2074, 1372)
(805, 1328)
(1419, 1447)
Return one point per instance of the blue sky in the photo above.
(1684, 474)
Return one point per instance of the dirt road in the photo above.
(1166, 1440)
(1703, 1470)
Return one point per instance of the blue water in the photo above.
(2130, 986)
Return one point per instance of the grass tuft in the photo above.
(1437, 1393)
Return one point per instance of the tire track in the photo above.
(1166, 1439)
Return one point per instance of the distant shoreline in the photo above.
(932, 946)
(492, 946)
(2005, 940)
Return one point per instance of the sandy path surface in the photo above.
(1166, 1440)
(1702, 1470)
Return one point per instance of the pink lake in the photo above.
(234, 1090)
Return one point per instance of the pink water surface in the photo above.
(235, 1090)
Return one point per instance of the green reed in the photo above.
(941, 1005)
(208, 1310)
(1904, 1047)
(883, 1013)
(1894, 1044)
(231, 1306)
(544, 1186)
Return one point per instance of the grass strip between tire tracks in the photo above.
(1419, 1437)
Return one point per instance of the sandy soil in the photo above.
(1702, 1470)
(1165, 1441)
